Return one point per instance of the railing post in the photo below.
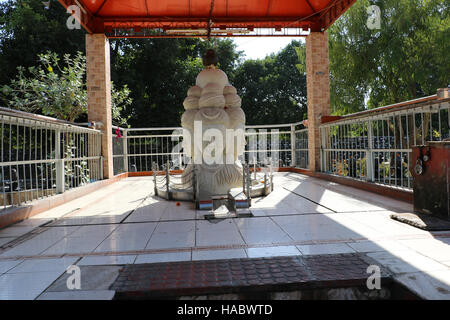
(125, 150)
(293, 147)
(101, 168)
(154, 179)
(265, 183)
(194, 184)
(249, 183)
(369, 155)
(60, 179)
(323, 155)
(168, 181)
(254, 168)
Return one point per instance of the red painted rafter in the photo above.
(334, 12)
(87, 20)
(100, 8)
(310, 5)
(100, 22)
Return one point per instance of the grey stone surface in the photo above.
(431, 285)
(92, 278)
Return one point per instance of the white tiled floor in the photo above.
(44, 265)
(25, 286)
(434, 285)
(218, 254)
(106, 260)
(217, 232)
(176, 234)
(164, 257)
(331, 248)
(7, 265)
(125, 223)
(272, 251)
(261, 230)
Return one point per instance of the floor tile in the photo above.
(432, 285)
(332, 248)
(122, 244)
(25, 286)
(4, 241)
(76, 245)
(96, 277)
(105, 260)
(373, 246)
(164, 257)
(261, 230)
(14, 231)
(217, 232)
(432, 248)
(177, 234)
(406, 261)
(272, 251)
(7, 265)
(44, 265)
(218, 254)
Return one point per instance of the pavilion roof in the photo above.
(181, 18)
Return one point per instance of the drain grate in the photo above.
(212, 277)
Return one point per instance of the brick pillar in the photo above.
(318, 91)
(99, 93)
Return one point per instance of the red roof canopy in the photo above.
(177, 18)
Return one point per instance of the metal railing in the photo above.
(140, 149)
(42, 156)
(376, 145)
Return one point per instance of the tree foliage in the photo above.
(28, 28)
(160, 71)
(58, 91)
(272, 89)
(407, 58)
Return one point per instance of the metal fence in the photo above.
(42, 156)
(376, 146)
(139, 150)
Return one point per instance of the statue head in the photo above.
(210, 58)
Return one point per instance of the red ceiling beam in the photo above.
(86, 19)
(338, 8)
(317, 21)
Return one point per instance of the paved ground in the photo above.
(124, 224)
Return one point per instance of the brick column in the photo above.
(99, 93)
(318, 91)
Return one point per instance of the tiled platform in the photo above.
(124, 223)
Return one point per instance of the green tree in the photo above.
(58, 91)
(272, 89)
(28, 28)
(160, 71)
(406, 59)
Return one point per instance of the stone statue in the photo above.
(213, 126)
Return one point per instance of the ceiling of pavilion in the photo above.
(178, 18)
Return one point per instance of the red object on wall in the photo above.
(432, 186)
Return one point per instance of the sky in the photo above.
(260, 47)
